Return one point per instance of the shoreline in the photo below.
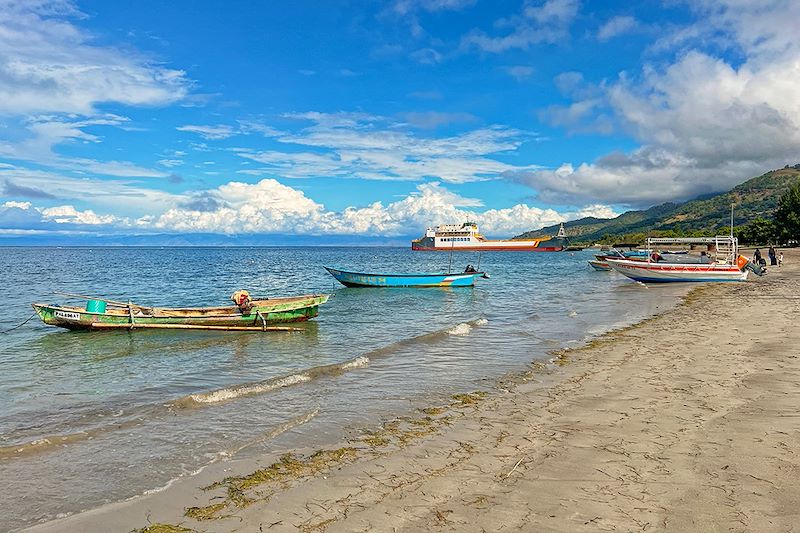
(525, 455)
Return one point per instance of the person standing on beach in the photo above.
(757, 257)
(780, 259)
(773, 258)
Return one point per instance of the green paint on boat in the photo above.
(262, 315)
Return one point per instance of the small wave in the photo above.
(162, 488)
(466, 327)
(358, 362)
(424, 339)
(262, 387)
(50, 442)
(28, 447)
(247, 389)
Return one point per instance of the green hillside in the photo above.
(708, 215)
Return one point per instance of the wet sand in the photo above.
(686, 422)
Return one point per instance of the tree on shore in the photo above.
(787, 216)
(757, 231)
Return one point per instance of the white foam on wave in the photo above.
(156, 490)
(245, 390)
(251, 389)
(460, 329)
(358, 362)
(465, 328)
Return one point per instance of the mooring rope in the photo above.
(20, 325)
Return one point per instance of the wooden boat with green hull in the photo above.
(257, 315)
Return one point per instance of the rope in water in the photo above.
(20, 325)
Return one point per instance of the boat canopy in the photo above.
(692, 240)
(725, 247)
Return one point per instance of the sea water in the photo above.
(89, 418)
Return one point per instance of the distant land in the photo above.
(199, 240)
(707, 215)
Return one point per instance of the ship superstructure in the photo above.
(466, 237)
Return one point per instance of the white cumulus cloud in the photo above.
(271, 207)
(704, 122)
(67, 214)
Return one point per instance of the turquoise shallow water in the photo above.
(91, 418)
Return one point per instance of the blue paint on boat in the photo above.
(361, 279)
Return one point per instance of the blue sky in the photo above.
(380, 118)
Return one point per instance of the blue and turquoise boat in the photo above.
(360, 279)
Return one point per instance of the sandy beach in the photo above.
(689, 421)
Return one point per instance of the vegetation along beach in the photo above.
(405, 265)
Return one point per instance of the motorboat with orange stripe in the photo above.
(719, 262)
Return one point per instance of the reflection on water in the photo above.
(57, 347)
(102, 416)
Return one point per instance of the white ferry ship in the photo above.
(466, 237)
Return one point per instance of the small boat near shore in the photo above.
(599, 265)
(360, 279)
(722, 262)
(647, 272)
(247, 315)
(600, 262)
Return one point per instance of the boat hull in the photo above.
(358, 279)
(487, 248)
(466, 238)
(676, 272)
(600, 265)
(260, 317)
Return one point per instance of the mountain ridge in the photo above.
(707, 214)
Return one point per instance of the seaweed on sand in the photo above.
(209, 512)
(471, 398)
(163, 528)
(239, 490)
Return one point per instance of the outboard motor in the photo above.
(745, 264)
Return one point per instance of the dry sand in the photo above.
(686, 422)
